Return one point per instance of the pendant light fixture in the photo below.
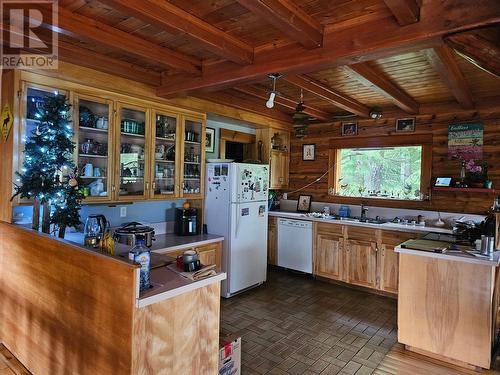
(273, 92)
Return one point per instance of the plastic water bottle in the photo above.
(142, 255)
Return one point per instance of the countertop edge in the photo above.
(451, 257)
(294, 215)
(146, 301)
(165, 250)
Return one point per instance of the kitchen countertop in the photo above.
(165, 243)
(387, 226)
(454, 255)
(168, 283)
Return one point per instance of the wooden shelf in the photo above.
(164, 161)
(465, 190)
(89, 129)
(92, 156)
(132, 135)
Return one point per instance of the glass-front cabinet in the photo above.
(164, 174)
(93, 130)
(126, 151)
(193, 152)
(132, 163)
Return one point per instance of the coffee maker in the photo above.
(186, 221)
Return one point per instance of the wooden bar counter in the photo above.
(68, 310)
(447, 306)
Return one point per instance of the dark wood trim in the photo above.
(177, 21)
(329, 94)
(380, 83)
(289, 19)
(405, 11)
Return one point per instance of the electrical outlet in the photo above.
(285, 196)
(123, 211)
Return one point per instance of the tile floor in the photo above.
(294, 324)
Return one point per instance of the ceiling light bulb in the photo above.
(270, 102)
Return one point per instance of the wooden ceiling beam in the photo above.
(249, 105)
(405, 11)
(81, 56)
(376, 80)
(368, 41)
(177, 21)
(87, 29)
(288, 18)
(285, 102)
(477, 50)
(338, 99)
(444, 63)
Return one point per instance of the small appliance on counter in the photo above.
(130, 232)
(95, 227)
(186, 221)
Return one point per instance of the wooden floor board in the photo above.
(402, 362)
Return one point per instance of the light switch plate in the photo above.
(123, 211)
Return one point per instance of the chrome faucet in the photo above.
(363, 212)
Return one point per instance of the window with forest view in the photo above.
(386, 172)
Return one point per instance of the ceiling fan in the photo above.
(302, 120)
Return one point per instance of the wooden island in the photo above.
(65, 309)
(447, 306)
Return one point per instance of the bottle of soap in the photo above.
(142, 255)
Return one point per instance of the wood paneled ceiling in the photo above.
(347, 55)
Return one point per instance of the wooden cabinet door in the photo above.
(271, 242)
(210, 254)
(275, 178)
(389, 268)
(329, 256)
(284, 169)
(362, 263)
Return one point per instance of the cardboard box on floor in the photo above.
(230, 355)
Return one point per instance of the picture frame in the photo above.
(405, 125)
(210, 140)
(309, 152)
(444, 181)
(304, 203)
(349, 129)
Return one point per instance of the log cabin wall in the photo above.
(304, 172)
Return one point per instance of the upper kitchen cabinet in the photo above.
(165, 165)
(94, 155)
(132, 148)
(193, 151)
(273, 148)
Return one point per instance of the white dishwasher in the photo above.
(295, 244)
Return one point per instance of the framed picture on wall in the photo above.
(405, 125)
(210, 140)
(304, 203)
(349, 129)
(309, 152)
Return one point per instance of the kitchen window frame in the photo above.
(423, 140)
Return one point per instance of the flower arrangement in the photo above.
(476, 172)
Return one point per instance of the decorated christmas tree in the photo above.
(48, 155)
(67, 203)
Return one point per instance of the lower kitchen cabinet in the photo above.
(358, 256)
(362, 262)
(329, 256)
(389, 260)
(208, 254)
(271, 242)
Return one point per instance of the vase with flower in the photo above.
(476, 173)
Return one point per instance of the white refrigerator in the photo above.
(236, 208)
